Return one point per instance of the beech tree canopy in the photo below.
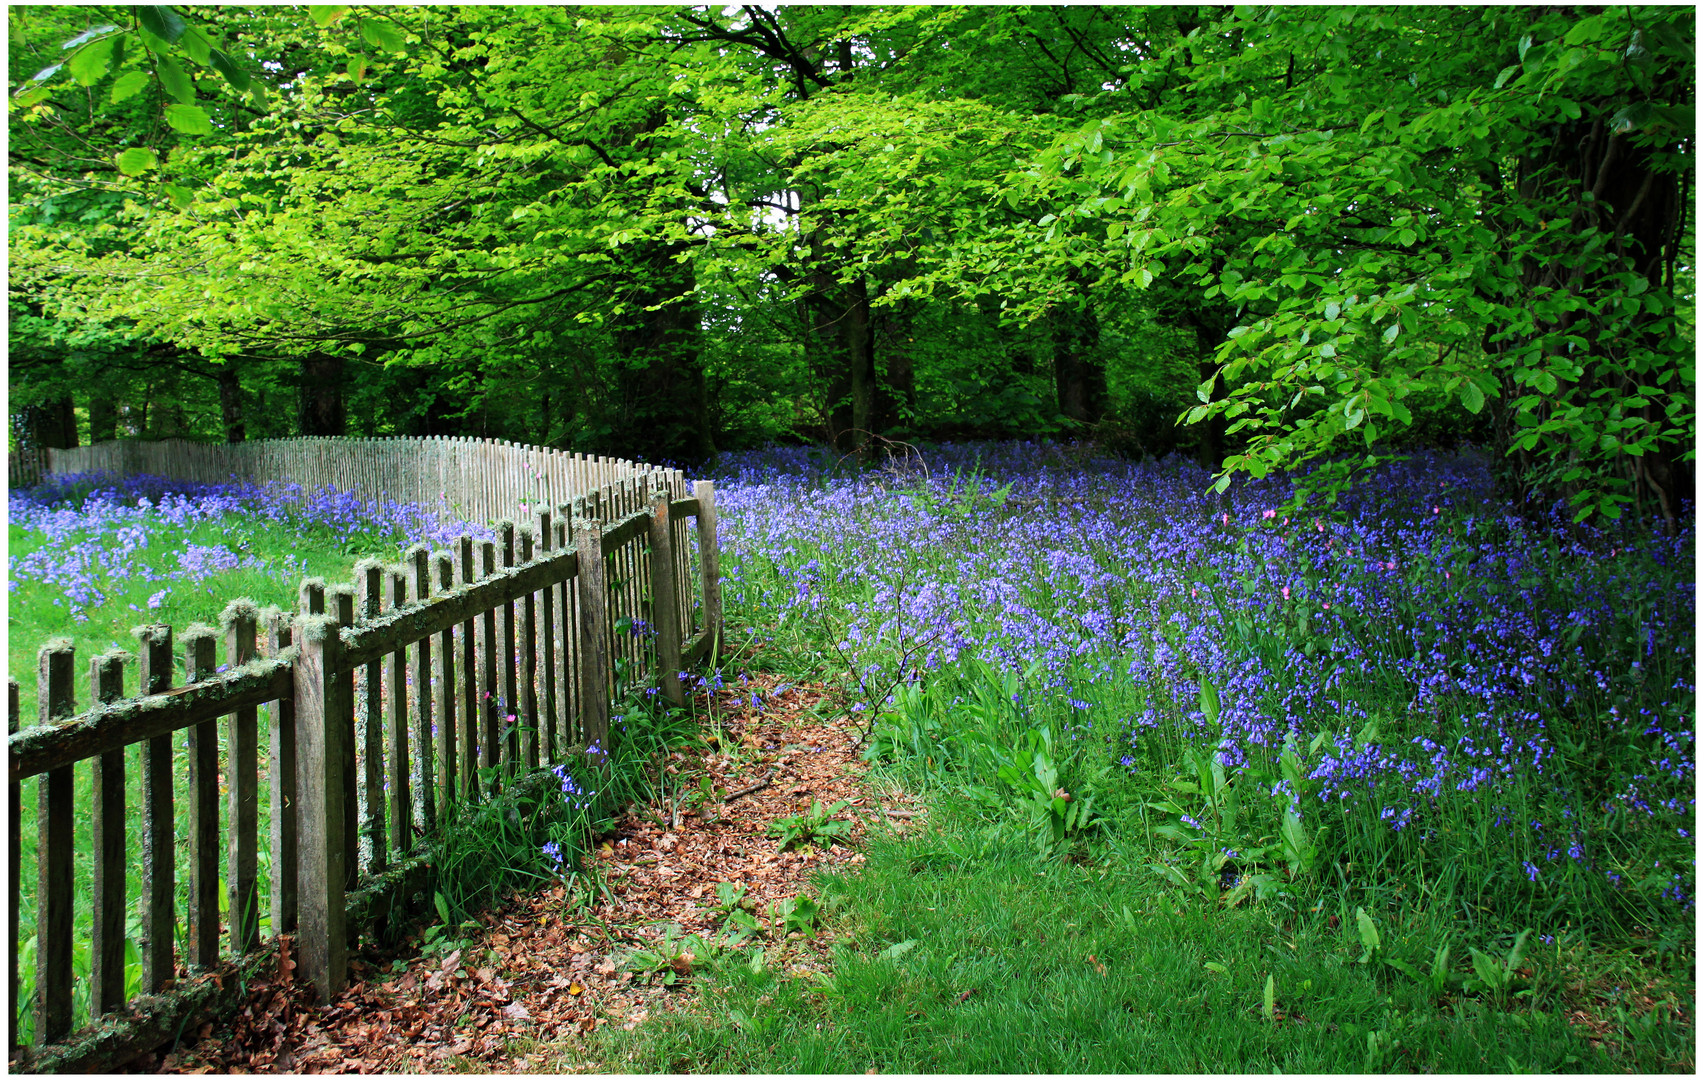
(1271, 236)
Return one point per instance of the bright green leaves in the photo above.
(323, 15)
(188, 119)
(127, 86)
(174, 80)
(137, 160)
(383, 34)
(90, 63)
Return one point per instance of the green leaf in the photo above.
(383, 35)
(176, 82)
(224, 65)
(1391, 331)
(1210, 702)
(189, 119)
(1171, 874)
(1332, 310)
(196, 46)
(137, 160)
(1472, 397)
(323, 15)
(1369, 931)
(1504, 76)
(128, 85)
(180, 196)
(161, 21)
(1269, 1000)
(357, 68)
(90, 63)
(31, 95)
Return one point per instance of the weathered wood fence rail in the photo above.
(390, 700)
(463, 478)
(25, 467)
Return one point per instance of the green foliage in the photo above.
(815, 826)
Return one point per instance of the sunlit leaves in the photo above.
(137, 160)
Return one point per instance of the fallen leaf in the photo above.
(516, 1011)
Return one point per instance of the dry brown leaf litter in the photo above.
(538, 976)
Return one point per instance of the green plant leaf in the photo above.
(90, 63)
(224, 65)
(323, 15)
(137, 160)
(127, 85)
(176, 82)
(189, 119)
(1369, 931)
(161, 21)
(383, 34)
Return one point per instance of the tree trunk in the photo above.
(661, 378)
(103, 417)
(51, 424)
(894, 408)
(321, 396)
(231, 403)
(1209, 332)
(840, 325)
(1078, 376)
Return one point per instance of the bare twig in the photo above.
(759, 786)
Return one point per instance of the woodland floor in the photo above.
(537, 977)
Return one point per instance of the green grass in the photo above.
(962, 948)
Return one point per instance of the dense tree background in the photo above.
(1312, 234)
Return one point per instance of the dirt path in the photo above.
(522, 991)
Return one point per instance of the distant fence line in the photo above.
(392, 699)
(465, 478)
(25, 468)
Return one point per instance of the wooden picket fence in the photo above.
(463, 479)
(26, 468)
(390, 701)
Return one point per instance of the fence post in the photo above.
(664, 624)
(547, 645)
(106, 944)
(54, 853)
(469, 679)
(709, 562)
(159, 843)
(526, 645)
(420, 585)
(443, 563)
(489, 757)
(242, 780)
(594, 646)
(369, 576)
(202, 742)
(14, 873)
(506, 658)
(324, 703)
(282, 773)
(340, 605)
(396, 727)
